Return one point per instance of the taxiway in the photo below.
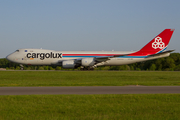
(89, 90)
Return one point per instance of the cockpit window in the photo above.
(17, 50)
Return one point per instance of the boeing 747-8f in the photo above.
(90, 59)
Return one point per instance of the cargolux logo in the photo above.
(158, 43)
(42, 56)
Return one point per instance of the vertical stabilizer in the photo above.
(156, 45)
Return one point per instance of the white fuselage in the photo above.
(51, 57)
(90, 59)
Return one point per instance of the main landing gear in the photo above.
(86, 68)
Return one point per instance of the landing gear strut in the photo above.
(22, 67)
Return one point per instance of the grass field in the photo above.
(88, 78)
(90, 107)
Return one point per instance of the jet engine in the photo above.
(87, 62)
(68, 64)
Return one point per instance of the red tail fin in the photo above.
(157, 45)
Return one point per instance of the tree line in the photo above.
(171, 63)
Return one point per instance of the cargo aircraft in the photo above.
(156, 48)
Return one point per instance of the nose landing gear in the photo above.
(22, 67)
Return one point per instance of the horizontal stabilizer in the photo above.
(154, 55)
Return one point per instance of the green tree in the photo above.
(114, 68)
(46, 67)
(131, 67)
(41, 68)
(175, 57)
(153, 67)
(28, 68)
(138, 69)
(18, 68)
(169, 64)
(58, 68)
(159, 63)
(51, 68)
(177, 68)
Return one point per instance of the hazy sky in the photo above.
(66, 25)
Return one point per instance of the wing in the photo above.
(103, 59)
(93, 61)
(96, 60)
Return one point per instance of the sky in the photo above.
(88, 25)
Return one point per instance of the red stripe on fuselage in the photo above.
(89, 54)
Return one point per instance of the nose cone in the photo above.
(10, 57)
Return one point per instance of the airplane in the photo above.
(88, 60)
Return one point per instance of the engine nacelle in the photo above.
(87, 62)
(69, 64)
